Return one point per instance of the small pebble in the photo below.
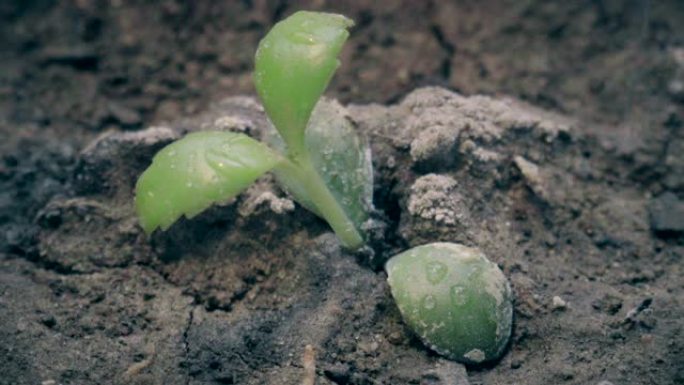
(667, 214)
(559, 303)
(395, 338)
(533, 176)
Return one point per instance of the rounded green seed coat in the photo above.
(455, 299)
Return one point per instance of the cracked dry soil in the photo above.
(576, 193)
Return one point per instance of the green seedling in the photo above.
(316, 154)
(455, 299)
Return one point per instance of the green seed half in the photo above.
(455, 299)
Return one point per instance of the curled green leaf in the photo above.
(189, 175)
(342, 158)
(294, 64)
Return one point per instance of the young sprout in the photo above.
(455, 299)
(318, 158)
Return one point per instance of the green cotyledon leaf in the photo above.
(293, 66)
(340, 156)
(189, 175)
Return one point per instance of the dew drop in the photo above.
(150, 194)
(429, 302)
(303, 38)
(436, 271)
(457, 295)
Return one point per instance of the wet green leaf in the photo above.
(293, 65)
(191, 174)
(340, 156)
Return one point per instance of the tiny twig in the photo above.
(309, 363)
(138, 367)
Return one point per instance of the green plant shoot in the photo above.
(321, 161)
(293, 66)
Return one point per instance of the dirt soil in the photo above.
(553, 142)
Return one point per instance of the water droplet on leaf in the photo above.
(429, 302)
(436, 271)
(457, 295)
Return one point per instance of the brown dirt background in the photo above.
(71, 70)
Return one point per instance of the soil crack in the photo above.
(186, 331)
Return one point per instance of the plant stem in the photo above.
(301, 168)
